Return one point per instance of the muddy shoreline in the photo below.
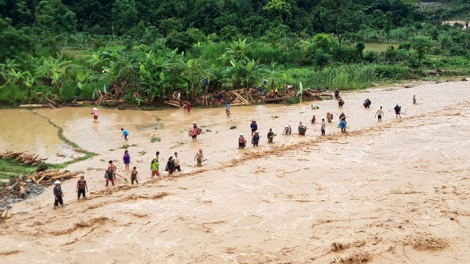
(389, 192)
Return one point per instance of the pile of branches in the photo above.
(107, 99)
(22, 157)
(50, 176)
(273, 94)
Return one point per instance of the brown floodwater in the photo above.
(394, 192)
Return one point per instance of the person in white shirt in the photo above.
(176, 161)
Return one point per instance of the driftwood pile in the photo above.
(50, 176)
(21, 156)
(107, 99)
(308, 94)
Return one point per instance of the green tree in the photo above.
(279, 9)
(124, 15)
(54, 69)
(421, 45)
(14, 42)
(54, 18)
(339, 17)
(180, 40)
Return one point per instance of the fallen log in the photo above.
(66, 175)
(51, 102)
(39, 181)
(13, 186)
(273, 100)
(51, 106)
(34, 106)
(172, 104)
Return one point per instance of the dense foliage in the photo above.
(145, 50)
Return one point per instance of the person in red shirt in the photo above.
(188, 106)
(82, 187)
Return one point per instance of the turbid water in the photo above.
(393, 192)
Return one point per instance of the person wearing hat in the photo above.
(58, 194)
(95, 113)
(241, 141)
(255, 139)
(253, 126)
(82, 187)
(329, 117)
(176, 162)
(287, 130)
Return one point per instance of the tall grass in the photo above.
(11, 95)
(354, 76)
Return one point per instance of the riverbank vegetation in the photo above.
(143, 51)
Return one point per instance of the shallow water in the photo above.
(381, 190)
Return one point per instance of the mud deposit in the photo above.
(393, 192)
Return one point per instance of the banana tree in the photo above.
(16, 77)
(238, 49)
(55, 69)
(234, 73)
(194, 72)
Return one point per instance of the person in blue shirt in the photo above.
(253, 126)
(124, 133)
(227, 111)
(255, 139)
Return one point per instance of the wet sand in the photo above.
(393, 192)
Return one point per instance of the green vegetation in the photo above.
(143, 51)
(155, 139)
(12, 167)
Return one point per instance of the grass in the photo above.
(155, 139)
(13, 168)
(344, 77)
(378, 47)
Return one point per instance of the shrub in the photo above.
(69, 92)
(457, 51)
(11, 95)
(370, 57)
(390, 71)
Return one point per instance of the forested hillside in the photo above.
(71, 47)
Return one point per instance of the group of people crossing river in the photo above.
(173, 163)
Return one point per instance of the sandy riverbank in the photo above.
(393, 192)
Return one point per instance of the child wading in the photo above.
(95, 113)
(134, 176)
(58, 194)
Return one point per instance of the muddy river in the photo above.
(389, 192)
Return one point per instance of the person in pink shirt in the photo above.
(95, 113)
